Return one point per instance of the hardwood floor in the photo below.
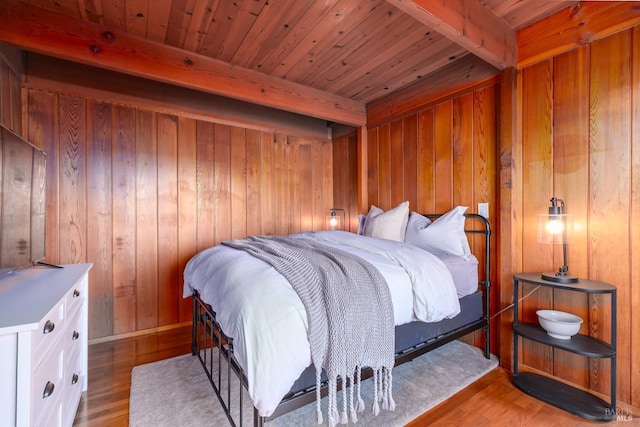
(490, 401)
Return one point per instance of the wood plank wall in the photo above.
(137, 193)
(438, 157)
(345, 177)
(580, 114)
(11, 74)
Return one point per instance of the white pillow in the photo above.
(445, 235)
(390, 225)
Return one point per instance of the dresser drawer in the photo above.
(47, 384)
(72, 343)
(74, 379)
(53, 417)
(74, 299)
(50, 328)
(74, 333)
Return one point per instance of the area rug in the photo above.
(176, 391)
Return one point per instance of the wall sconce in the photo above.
(333, 220)
(556, 227)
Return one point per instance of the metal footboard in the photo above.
(215, 352)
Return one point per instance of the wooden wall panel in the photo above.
(99, 215)
(222, 183)
(634, 235)
(11, 76)
(441, 156)
(146, 220)
(187, 200)
(426, 172)
(579, 142)
(570, 160)
(124, 220)
(609, 197)
(538, 180)
(138, 193)
(169, 273)
(238, 185)
(205, 145)
(72, 218)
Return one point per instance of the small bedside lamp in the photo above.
(333, 220)
(557, 227)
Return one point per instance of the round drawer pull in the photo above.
(75, 335)
(74, 378)
(48, 390)
(48, 327)
(76, 293)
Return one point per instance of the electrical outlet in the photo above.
(483, 209)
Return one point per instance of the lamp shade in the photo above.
(555, 228)
(334, 221)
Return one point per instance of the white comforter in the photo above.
(256, 306)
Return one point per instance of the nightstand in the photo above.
(550, 390)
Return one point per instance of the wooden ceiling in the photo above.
(327, 58)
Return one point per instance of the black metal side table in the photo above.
(550, 390)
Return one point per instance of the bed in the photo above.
(273, 364)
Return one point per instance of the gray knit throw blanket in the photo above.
(350, 317)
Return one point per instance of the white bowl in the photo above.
(559, 324)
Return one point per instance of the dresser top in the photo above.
(28, 294)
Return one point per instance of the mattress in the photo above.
(464, 272)
(414, 333)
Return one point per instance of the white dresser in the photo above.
(43, 345)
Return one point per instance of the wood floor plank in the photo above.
(490, 401)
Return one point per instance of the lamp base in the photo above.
(560, 278)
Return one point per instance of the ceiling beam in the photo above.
(468, 24)
(574, 26)
(41, 31)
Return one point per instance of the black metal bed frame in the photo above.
(212, 346)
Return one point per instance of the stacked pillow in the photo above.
(391, 224)
(445, 235)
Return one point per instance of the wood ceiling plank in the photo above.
(390, 79)
(199, 24)
(400, 53)
(574, 26)
(344, 18)
(179, 19)
(302, 29)
(233, 20)
(380, 34)
(468, 24)
(114, 13)
(267, 27)
(91, 10)
(326, 53)
(41, 31)
(158, 21)
(283, 27)
(136, 17)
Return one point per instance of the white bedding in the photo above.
(256, 306)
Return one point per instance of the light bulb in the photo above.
(555, 226)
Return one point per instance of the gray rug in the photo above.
(176, 392)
